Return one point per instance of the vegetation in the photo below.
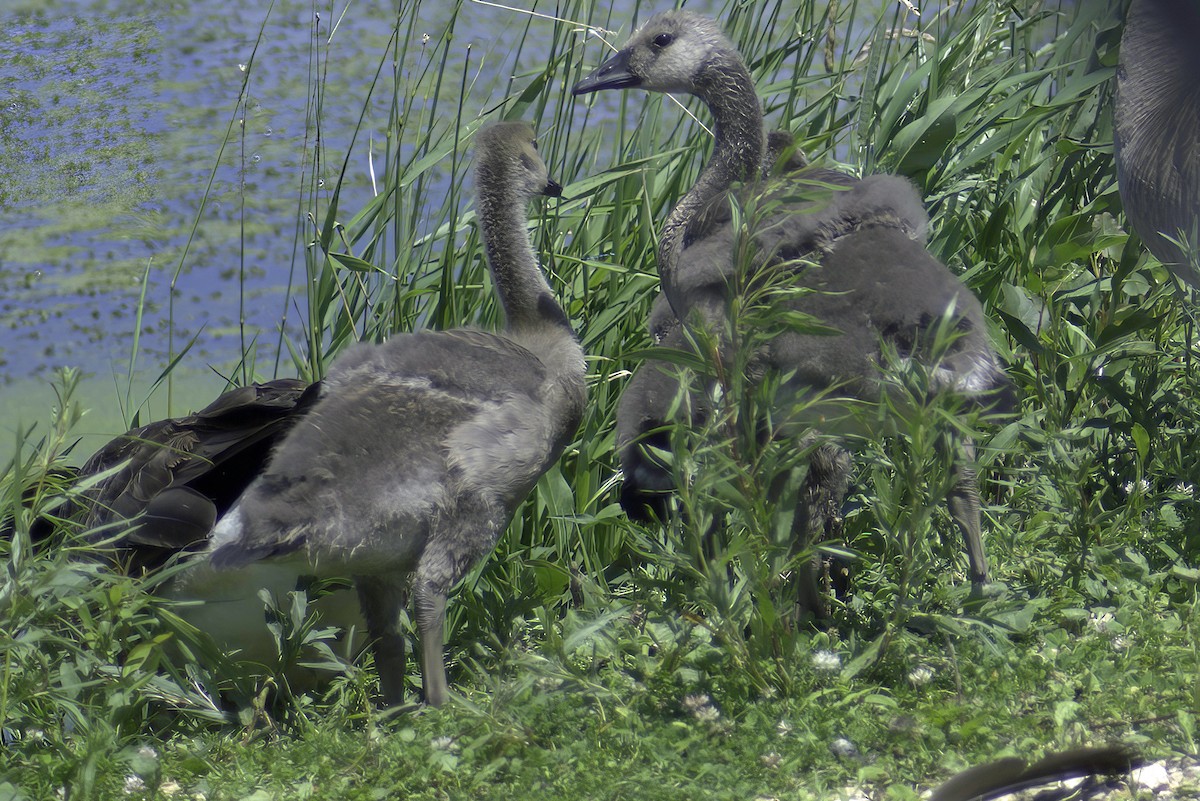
(594, 658)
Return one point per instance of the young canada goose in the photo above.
(876, 280)
(1157, 128)
(411, 463)
(655, 389)
(1011, 775)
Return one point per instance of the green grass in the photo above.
(583, 648)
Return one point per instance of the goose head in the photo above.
(675, 51)
(507, 155)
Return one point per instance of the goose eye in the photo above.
(663, 39)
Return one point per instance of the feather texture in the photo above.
(875, 286)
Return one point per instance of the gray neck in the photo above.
(727, 89)
(1160, 57)
(524, 293)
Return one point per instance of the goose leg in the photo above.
(431, 620)
(964, 507)
(456, 542)
(382, 601)
(818, 517)
(643, 414)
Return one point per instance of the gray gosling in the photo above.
(876, 281)
(655, 394)
(411, 464)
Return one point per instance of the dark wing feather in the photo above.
(185, 470)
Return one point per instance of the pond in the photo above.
(167, 152)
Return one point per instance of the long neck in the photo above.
(728, 90)
(524, 293)
(1156, 118)
(1161, 62)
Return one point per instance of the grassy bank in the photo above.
(595, 658)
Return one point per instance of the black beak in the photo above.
(612, 74)
(552, 189)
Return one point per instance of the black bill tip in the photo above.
(612, 74)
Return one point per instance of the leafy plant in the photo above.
(576, 647)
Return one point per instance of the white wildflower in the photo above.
(702, 708)
(770, 759)
(134, 784)
(169, 788)
(920, 675)
(146, 752)
(1100, 622)
(826, 661)
(444, 744)
(1141, 486)
(784, 728)
(1184, 488)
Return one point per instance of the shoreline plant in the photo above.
(596, 658)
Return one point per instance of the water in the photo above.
(113, 122)
(129, 168)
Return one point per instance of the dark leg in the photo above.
(964, 507)
(818, 517)
(382, 599)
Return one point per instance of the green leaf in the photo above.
(1141, 441)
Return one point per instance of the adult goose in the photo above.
(1157, 129)
(875, 283)
(411, 463)
(172, 479)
